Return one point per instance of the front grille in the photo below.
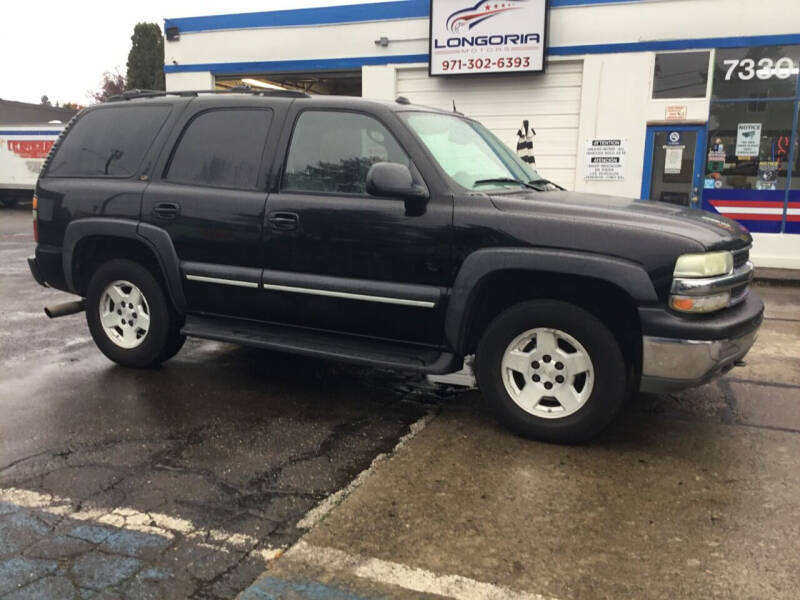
(740, 257)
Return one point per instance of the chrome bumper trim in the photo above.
(713, 285)
(670, 364)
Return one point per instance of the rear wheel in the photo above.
(551, 371)
(129, 316)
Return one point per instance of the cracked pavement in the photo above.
(183, 481)
(189, 481)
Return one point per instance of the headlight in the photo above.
(700, 304)
(708, 264)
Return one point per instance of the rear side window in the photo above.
(108, 142)
(221, 148)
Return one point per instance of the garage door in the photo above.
(550, 101)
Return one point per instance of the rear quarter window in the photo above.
(108, 142)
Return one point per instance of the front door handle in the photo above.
(283, 221)
(167, 210)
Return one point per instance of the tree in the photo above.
(45, 101)
(72, 105)
(112, 84)
(146, 58)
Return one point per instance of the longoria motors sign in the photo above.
(488, 36)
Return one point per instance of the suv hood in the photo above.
(712, 230)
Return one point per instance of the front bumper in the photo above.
(699, 350)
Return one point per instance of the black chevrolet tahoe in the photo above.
(386, 234)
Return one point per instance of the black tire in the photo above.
(160, 338)
(610, 370)
(173, 345)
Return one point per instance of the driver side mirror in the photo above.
(393, 180)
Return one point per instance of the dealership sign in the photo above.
(498, 36)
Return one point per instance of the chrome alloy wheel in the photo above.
(124, 314)
(547, 373)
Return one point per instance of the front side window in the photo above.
(468, 152)
(332, 151)
(108, 142)
(222, 148)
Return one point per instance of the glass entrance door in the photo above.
(673, 164)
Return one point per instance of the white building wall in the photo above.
(626, 22)
(189, 81)
(379, 82)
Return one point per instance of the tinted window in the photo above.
(762, 72)
(108, 142)
(749, 145)
(681, 75)
(222, 148)
(332, 152)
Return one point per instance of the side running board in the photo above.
(323, 344)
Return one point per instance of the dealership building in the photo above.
(689, 102)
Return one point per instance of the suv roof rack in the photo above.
(239, 89)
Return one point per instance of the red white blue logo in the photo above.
(466, 19)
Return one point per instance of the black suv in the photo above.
(385, 234)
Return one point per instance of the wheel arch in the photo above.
(120, 238)
(491, 280)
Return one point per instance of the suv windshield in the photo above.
(470, 153)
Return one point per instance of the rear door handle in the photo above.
(167, 210)
(283, 221)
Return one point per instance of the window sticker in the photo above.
(748, 139)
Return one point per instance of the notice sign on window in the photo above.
(673, 160)
(748, 139)
(497, 36)
(605, 159)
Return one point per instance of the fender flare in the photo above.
(154, 238)
(627, 275)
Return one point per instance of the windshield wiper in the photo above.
(507, 180)
(547, 182)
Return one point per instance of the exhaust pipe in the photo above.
(64, 309)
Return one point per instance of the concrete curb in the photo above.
(782, 277)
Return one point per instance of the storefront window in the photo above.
(680, 75)
(764, 72)
(752, 138)
(792, 220)
(749, 144)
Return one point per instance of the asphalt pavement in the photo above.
(230, 471)
(183, 481)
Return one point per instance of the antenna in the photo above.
(454, 105)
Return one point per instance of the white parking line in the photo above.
(409, 578)
(152, 523)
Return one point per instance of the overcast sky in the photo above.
(61, 49)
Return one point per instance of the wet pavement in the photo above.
(183, 481)
(190, 480)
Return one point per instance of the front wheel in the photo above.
(129, 316)
(551, 371)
